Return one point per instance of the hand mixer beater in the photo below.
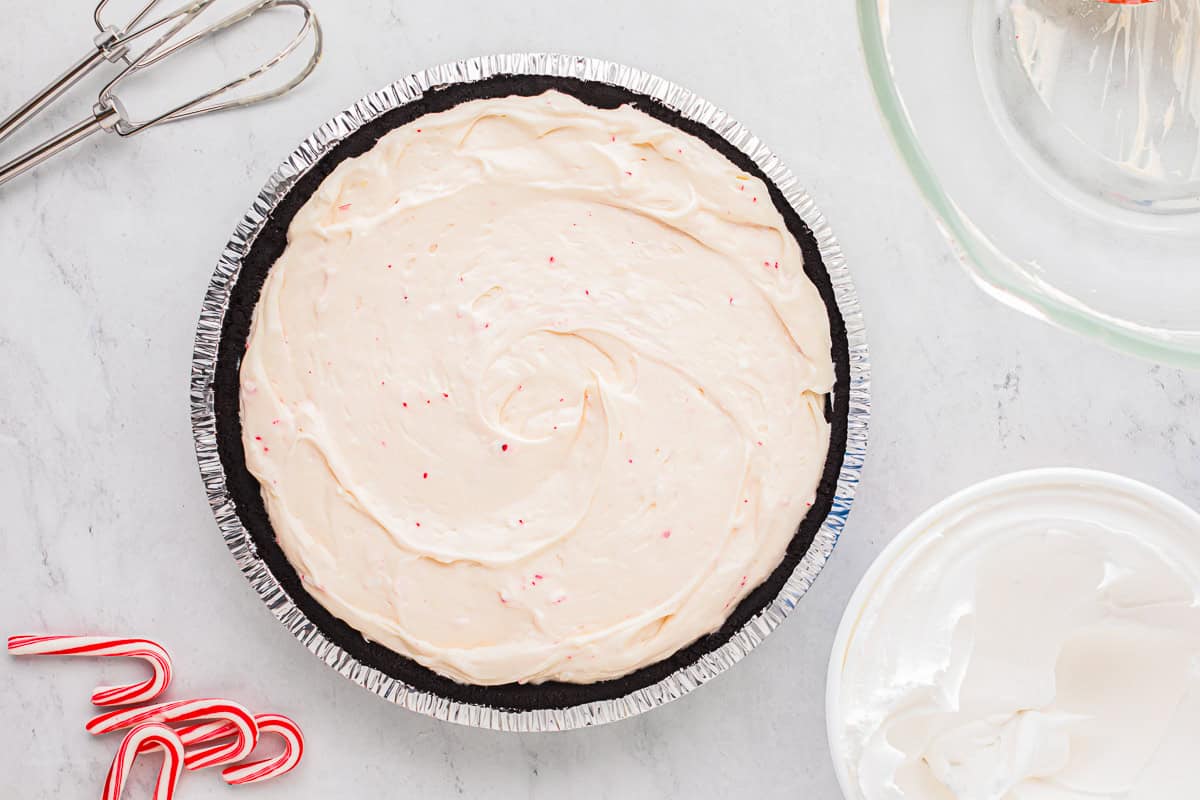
(141, 44)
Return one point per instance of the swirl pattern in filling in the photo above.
(536, 390)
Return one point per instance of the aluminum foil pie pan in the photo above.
(234, 496)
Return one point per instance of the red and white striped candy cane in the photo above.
(177, 711)
(143, 738)
(253, 771)
(107, 646)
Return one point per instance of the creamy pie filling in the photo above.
(536, 390)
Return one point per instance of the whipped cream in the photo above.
(1040, 642)
(536, 390)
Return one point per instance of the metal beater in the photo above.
(141, 45)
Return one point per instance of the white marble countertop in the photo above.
(106, 256)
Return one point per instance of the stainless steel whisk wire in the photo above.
(107, 47)
(116, 44)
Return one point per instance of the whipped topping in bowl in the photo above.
(537, 390)
(1034, 638)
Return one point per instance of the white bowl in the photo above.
(1137, 499)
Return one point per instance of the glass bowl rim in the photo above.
(996, 273)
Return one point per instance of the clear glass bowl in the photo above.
(1058, 142)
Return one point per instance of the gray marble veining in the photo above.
(106, 256)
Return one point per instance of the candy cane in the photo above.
(108, 646)
(254, 771)
(200, 732)
(242, 721)
(143, 738)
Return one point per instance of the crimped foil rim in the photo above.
(208, 335)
